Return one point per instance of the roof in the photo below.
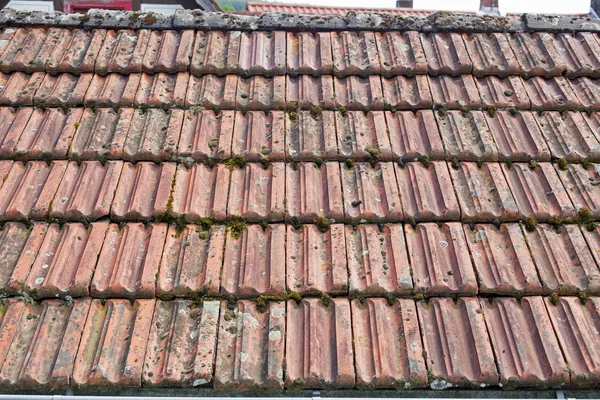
(292, 202)
(258, 7)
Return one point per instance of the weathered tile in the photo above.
(129, 260)
(260, 93)
(580, 53)
(81, 48)
(538, 192)
(182, 344)
(401, 93)
(316, 260)
(40, 342)
(211, 91)
(19, 88)
(62, 90)
(216, 52)
(201, 191)
(459, 353)
(153, 135)
(446, 54)
(112, 90)
(371, 193)
(455, 92)
(363, 136)
(319, 351)
(310, 136)
(427, 193)
(563, 259)
(387, 342)
(518, 136)
(568, 135)
(537, 53)
(168, 51)
(309, 92)
(262, 53)
(414, 135)
(593, 121)
(483, 193)
(313, 191)
(524, 343)
(466, 136)
(143, 191)
(191, 261)
(12, 124)
(122, 51)
(577, 328)
(206, 135)
(309, 53)
(491, 54)
(22, 52)
(440, 260)
(358, 93)
(502, 260)
(254, 340)
(503, 92)
(162, 90)
(588, 93)
(378, 260)
(551, 94)
(257, 135)
(254, 262)
(582, 186)
(112, 348)
(66, 260)
(354, 53)
(101, 134)
(401, 53)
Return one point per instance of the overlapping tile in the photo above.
(311, 136)
(466, 136)
(211, 91)
(19, 246)
(354, 53)
(582, 186)
(19, 88)
(113, 90)
(579, 53)
(309, 53)
(262, 53)
(81, 51)
(402, 93)
(101, 134)
(401, 53)
(310, 92)
(153, 135)
(455, 92)
(162, 90)
(588, 93)
(122, 51)
(206, 135)
(446, 54)
(414, 135)
(63, 90)
(258, 136)
(568, 136)
(27, 51)
(260, 93)
(503, 92)
(537, 53)
(216, 52)
(491, 54)
(363, 136)
(551, 94)
(168, 51)
(359, 93)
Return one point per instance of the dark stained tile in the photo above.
(81, 46)
(582, 186)
(211, 91)
(101, 134)
(162, 90)
(491, 54)
(551, 94)
(63, 90)
(112, 90)
(19, 88)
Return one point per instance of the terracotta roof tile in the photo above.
(309, 53)
(311, 136)
(551, 94)
(491, 54)
(466, 136)
(446, 54)
(588, 93)
(401, 93)
(581, 185)
(258, 136)
(455, 92)
(153, 135)
(162, 90)
(306, 91)
(206, 135)
(112, 90)
(168, 51)
(401, 53)
(81, 52)
(18, 88)
(358, 93)
(503, 92)
(216, 52)
(414, 135)
(568, 135)
(354, 53)
(579, 53)
(537, 53)
(363, 136)
(263, 53)
(101, 134)
(212, 91)
(122, 52)
(19, 246)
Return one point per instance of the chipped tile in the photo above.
(310, 136)
(259, 136)
(309, 53)
(354, 53)
(568, 135)
(262, 53)
(455, 92)
(363, 136)
(401, 93)
(446, 54)
(358, 93)
(491, 54)
(518, 136)
(206, 135)
(401, 53)
(466, 136)
(414, 135)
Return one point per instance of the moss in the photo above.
(556, 222)
(316, 111)
(509, 92)
(212, 144)
(562, 164)
(318, 161)
(410, 220)
(373, 154)
(205, 222)
(454, 163)
(349, 164)
(265, 162)
(533, 164)
(584, 215)
(585, 163)
(492, 110)
(291, 109)
(76, 125)
(236, 225)
(322, 223)
(150, 19)
(513, 111)
(84, 18)
(590, 226)
(583, 297)
(553, 298)
(238, 161)
(262, 301)
(425, 161)
(343, 110)
(326, 300)
(419, 297)
(508, 164)
(530, 224)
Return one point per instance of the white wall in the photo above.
(31, 5)
(166, 9)
(447, 5)
(544, 6)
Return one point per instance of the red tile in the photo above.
(258, 193)
(579, 53)
(401, 53)
(201, 191)
(593, 121)
(254, 262)
(491, 54)
(191, 261)
(308, 91)
(316, 261)
(446, 54)
(538, 192)
(81, 50)
(143, 191)
(122, 51)
(212, 91)
(112, 348)
(518, 136)
(309, 53)
(5, 167)
(455, 92)
(466, 136)
(18, 89)
(577, 327)
(113, 90)
(101, 134)
(86, 190)
(459, 353)
(502, 260)
(22, 51)
(363, 136)
(29, 188)
(503, 93)
(358, 93)
(401, 93)
(40, 342)
(371, 193)
(162, 90)
(378, 260)
(588, 93)
(568, 135)
(310, 136)
(128, 263)
(313, 191)
(251, 347)
(319, 350)
(389, 352)
(440, 261)
(354, 53)
(582, 186)
(182, 344)
(260, 93)
(66, 260)
(216, 52)
(551, 94)
(258, 135)
(414, 135)
(262, 53)
(537, 53)
(12, 123)
(206, 135)
(153, 135)
(62, 90)
(426, 192)
(168, 51)
(563, 259)
(483, 193)
(593, 240)
(525, 346)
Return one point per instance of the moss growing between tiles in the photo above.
(425, 161)
(322, 223)
(236, 225)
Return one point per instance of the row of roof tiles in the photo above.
(277, 53)
(370, 93)
(383, 192)
(346, 344)
(203, 135)
(144, 261)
